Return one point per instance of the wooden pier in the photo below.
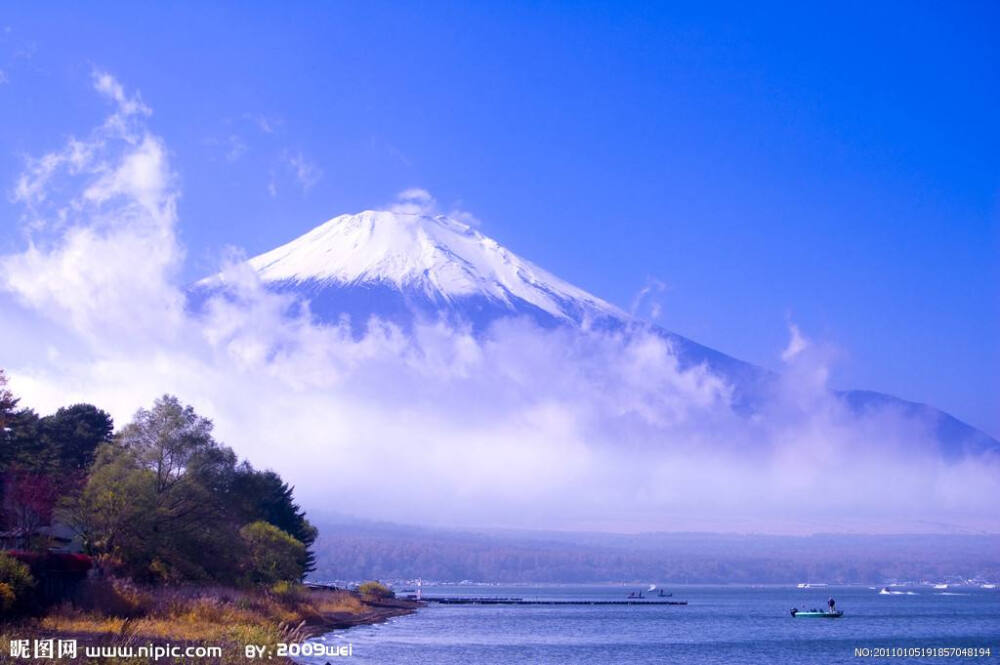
(445, 600)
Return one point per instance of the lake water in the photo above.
(721, 624)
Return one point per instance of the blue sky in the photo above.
(837, 168)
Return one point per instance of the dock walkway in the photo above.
(445, 600)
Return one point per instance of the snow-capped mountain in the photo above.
(402, 266)
(430, 261)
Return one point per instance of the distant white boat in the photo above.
(940, 586)
(989, 586)
(809, 585)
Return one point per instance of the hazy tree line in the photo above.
(158, 501)
(405, 552)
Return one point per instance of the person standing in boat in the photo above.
(832, 604)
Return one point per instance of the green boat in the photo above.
(817, 614)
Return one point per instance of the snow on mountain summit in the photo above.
(440, 258)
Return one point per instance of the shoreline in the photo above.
(380, 611)
(231, 619)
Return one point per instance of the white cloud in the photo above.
(419, 201)
(796, 343)
(264, 123)
(237, 147)
(33, 184)
(306, 172)
(646, 301)
(111, 88)
(103, 210)
(519, 426)
(414, 201)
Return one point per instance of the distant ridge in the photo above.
(361, 549)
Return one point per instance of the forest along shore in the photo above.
(205, 616)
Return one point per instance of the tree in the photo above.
(16, 583)
(263, 495)
(7, 401)
(74, 433)
(44, 458)
(156, 533)
(168, 437)
(167, 501)
(152, 500)
(375, 590)
(22, 444)
(63, 442)
(28, 501)
(273, 555)
(116, 511)
(22, 461)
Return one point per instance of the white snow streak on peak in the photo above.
(444, 258)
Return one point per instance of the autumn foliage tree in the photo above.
(29, 499)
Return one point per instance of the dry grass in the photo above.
(115, 612)
(335, 602)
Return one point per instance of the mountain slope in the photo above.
(433, 262)
(405, 266)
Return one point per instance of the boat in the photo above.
(940, 586)
(817, 614)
